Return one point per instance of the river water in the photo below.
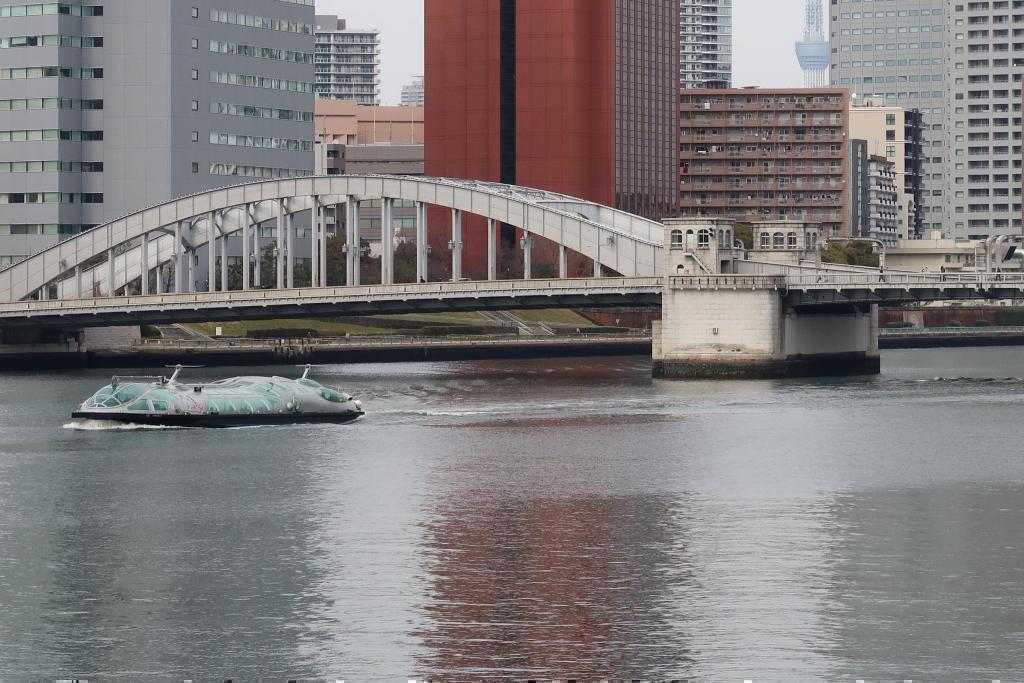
(529, 519)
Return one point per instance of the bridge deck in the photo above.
(825, 289)
(432, 297)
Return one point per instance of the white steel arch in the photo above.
(176, 230)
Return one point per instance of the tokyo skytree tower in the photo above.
(812, 51)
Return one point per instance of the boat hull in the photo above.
(219, 421)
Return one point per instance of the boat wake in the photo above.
(110, 426)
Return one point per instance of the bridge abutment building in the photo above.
(740, 324)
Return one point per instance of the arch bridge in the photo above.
(174, 238)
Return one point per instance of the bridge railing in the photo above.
(727, 281)
(888, 280)
(951, 331)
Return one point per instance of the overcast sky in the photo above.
(763, 35)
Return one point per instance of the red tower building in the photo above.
(571, 96)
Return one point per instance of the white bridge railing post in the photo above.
(387, 242)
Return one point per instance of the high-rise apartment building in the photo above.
(766, 154)
(893, 52)
(705, 42)
(563, 95)
(347, 61)
(984, 117)
(112, 105)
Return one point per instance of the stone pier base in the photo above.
(737, 327)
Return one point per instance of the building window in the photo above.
(766, 240)
(195, 74)
(778, 241)
(195, 167)
(195, 12)
(195, 43)
(677, 238)
(791, 240)
(704, 239)
(195, 136)
(195, 105)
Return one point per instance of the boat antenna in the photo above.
(177, 371)
(306, 368)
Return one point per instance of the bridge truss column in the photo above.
(110, 273)
(456, 245)
(179, 262)
(159, 275)
(422, 269)
(563, 261)
(314, 241)
(279, 245)
(352, 248)
(191, 262)
(211, 253)
(257, 254)
(246, 261)
(225, 285)
(78, 282)
(323, 245)
(357, 241)
(387, 242)
(144, 264)
(289, 223)
(492, 249)
(527, 244)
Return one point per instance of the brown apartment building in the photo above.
(764, 154)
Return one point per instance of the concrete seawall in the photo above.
(244, 353)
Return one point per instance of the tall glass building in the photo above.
(109, 106)
(893, 53)
(705, 42)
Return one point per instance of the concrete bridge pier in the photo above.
(732, 328)
(729, 326)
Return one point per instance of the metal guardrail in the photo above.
(950, 331)
(728, 281)
(892, 280)
(861, 280)
(384, 341)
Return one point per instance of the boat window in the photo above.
(160, 406)
(310, 383)
(100, 398)
(128, 392)
(161, 395)
(333, 396)
(142, 405)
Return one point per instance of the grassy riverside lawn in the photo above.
(555, 316)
